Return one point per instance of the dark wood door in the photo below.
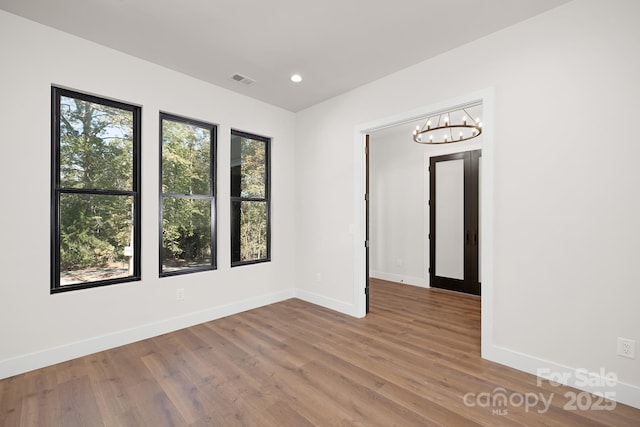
(366, 198)
(454, 238)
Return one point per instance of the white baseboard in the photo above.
(51, 356)
(579, 378)
(409, 280)
(330, 303)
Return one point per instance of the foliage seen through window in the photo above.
(188, 238)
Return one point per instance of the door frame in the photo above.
(487, 98)
(367, 212)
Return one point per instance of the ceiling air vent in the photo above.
(243, 79)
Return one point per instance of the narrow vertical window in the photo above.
(187, 195)
(95, 197)
(250, 194)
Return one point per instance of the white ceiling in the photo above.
(336, 45)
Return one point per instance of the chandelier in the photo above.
(448, 127)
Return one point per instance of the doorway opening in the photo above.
(485, 227)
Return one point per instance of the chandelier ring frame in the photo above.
(417, 136)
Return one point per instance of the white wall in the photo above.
(565, 171)
(397, 213)
(37, 328)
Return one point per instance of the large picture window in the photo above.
(250, 193)
(95, 207)
(187, 195)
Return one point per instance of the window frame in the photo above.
(213, 129)
(266, 199)
(56, 190)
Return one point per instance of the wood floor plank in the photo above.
(410, 361)
(78, 406)
(158, 410)
(286, 415)
(11, 399)
(48, 398)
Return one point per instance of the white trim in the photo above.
(487, 206)
(51, 356)
(359, 235)
(627, 394)
(400, 278)
(330, 303)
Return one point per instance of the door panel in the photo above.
(450, 218)
(454, 238)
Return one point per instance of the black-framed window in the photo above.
(250, 199)
(95, 191)
(187, 195)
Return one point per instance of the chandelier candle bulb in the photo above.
(455, 127)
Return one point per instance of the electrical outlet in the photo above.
(180, 294)
(626, 348)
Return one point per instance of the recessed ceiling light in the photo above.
(296, 78)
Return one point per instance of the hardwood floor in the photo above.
(410, 362)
